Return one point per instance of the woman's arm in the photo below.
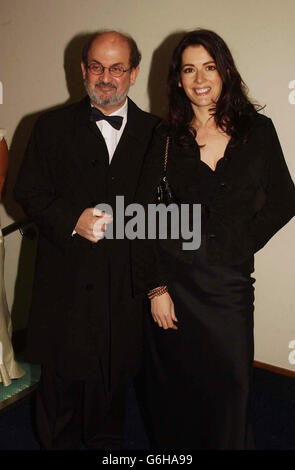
(148, 263)
(3, 164)
(279, 205)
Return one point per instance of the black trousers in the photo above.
(68, 413)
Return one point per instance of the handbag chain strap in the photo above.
(166, 154)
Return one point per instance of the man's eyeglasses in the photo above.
(115, 70)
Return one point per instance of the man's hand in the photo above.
(162, 308)
(92, 224)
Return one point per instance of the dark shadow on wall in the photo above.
(157, 81)
(25, 272)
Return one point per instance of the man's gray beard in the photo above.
(105, 102)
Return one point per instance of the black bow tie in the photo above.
(97, 115)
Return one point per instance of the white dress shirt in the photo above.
(110, 134)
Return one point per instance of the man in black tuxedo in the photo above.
(85, 327)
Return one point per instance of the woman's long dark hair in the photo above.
(233, 111)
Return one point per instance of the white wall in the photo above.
(260, 33)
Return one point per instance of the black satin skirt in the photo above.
(196, 381)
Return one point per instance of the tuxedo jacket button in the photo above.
(89, 287)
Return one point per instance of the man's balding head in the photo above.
(135, 55)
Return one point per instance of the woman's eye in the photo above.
(188, 70)
(211, 67)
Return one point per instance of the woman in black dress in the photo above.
(224, 155)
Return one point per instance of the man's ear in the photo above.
(84, 71)
(133, 74)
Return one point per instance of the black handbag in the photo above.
(164, 192)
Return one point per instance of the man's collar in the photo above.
(135, 125)
(119, 112)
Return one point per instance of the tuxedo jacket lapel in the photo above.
(89, 136)
(128, 157)
(89, 159)
(87, 164)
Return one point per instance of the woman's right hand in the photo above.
(162, 309)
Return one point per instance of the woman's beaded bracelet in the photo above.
(157, 291)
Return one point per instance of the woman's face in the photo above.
(199, 77)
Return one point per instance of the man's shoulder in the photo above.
(144, 115)
(152, 118)
(60, 117)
